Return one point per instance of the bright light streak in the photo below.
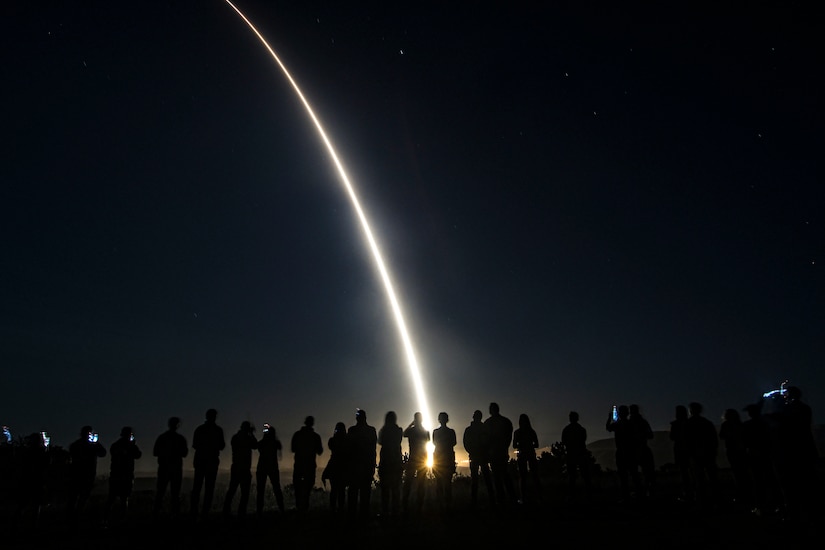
(412, 362)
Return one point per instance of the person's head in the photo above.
(126, 432)
(494, 410)
(390, 419)
(269, 430)
(173, 423)
(417, 418)
(523, 421)
(211, 415)
(85, 431)
(753, 410)
(443, 418)
(623, 411)
(360, 416)
(793, 393)
(309, 421)
(695, 409)
(340, 428)
(246, 427)
(477, 415)
(681, 412)
(731, 415)
(634, 410)
(573, 417)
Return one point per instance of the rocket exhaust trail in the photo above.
(415, 371)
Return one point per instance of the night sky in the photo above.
(580, 204)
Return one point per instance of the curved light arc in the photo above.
(412, 361)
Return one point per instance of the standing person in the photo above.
(626, 464)
(525, 442)
(240, 472)
(703, 443)
(29, 474)
(577, 458)
(642, 433)
(500, 431)
(732, 434)
(390, 465)
(123, 453)
(337, 469)
(797, 457)
(362, 440)
(269, 453)
(757, 448)
(476, 443)
(681, 452)
(444, 440)
(170, 449)
(416, 470)
(306, 444)
(84, 453)
(208, 442)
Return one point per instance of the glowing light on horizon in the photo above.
(415, 371)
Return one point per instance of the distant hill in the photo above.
(604, 450)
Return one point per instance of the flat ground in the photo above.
(658, 522)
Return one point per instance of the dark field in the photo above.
(660, 521)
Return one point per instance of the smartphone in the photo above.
(615, 413)
(46, 439)
(93, 437)
(132, 437)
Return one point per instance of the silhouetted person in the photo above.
(416, 469)
(681, 452)
(28, 466)
(703, 444)
(306, 444)
(208, 442)
(758, 452)
(362, 440)
(627, 465)
(477, 444)
(170, 449)
(84, 453)
(123, 452)
(390, 465)
(269, 453)
(58, 476)
(337, 468)
(732, 434)
(444, 442)
(642, 433)
(525, 443)
(576, 456)
(240, 472)
(500, 432)
(797, 456)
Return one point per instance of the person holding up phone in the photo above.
(84, 453)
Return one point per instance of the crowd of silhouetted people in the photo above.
(772, 456)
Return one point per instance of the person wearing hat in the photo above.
(123, 454)
(363, 442)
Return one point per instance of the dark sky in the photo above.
(581, 204)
